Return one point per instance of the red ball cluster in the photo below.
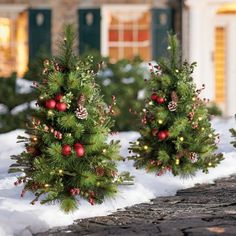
(56, 103)
(157, 98)
(79, 150)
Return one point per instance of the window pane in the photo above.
(143, 35)
(114, 53)
(128, 35)
(144, 53)
(128, 52)
(113, 35)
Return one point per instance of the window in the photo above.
(128, 32)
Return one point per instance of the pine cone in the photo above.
(81, 100)
(81, 113)
(174, 96)
(172, 106)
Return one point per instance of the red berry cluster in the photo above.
(74, 191)
(157, 98)
(56, 103)
(79, 150)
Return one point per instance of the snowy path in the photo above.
(18, 217)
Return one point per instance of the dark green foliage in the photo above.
(214, 110)
(233, 132)
(51, 173)
(11, 98)
(176, 134)
(125, 80)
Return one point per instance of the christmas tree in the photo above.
(176, 134)
(233, 132)
(67, 156)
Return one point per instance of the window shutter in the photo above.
(89, 29)
(39, 31)
(161, 24)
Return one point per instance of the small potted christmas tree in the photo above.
(67, 156)
(176, 134)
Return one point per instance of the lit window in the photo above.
(128, 33)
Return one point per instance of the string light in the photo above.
(104, 150)
(60, 171)
(160, 121)
(209, 164)
(210, 135)
(150, 103)
(203, 129)
(145, 147)
(181, 139)
(137, 143)
(46, 185)
(200, 118)
(177, 162)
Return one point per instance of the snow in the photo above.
(18, 217)
(23, 85)
(23, 106)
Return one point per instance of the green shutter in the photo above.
(39, 31)
(161, 24)
(89, 29)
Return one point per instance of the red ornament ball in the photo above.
(50, 104)
(66, 150)
(154, 97)
(58, 97)
(78, 145)
(160, 100)
(166, 133)
(162, 135)
(79, 151)
(61, 106)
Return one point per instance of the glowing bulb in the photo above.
(144, 110)
(177, 71)
(104, 150)
(210, 136)
(160, 121)
(181, 139)
(150, 103)
(137, 143)
(200, 118)
(145, 147)
(46, 185)
(202, 128)
(193, 99)
(209, 164)
(169, 47)
(60, 171)
(138, 155)
(177, 161)
(77, 68)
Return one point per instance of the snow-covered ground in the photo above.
(18, 217)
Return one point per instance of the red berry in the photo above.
(79, 151)
(58, 97)
(160, 100)
(61, 106)
(161, 135)
(154, 97)
(66, 150)
(50, 104)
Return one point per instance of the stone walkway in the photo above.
(203, 210)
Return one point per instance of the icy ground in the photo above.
(18, 217)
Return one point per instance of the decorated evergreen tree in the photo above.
(176, 134)
(67, 156)
(233, 132)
